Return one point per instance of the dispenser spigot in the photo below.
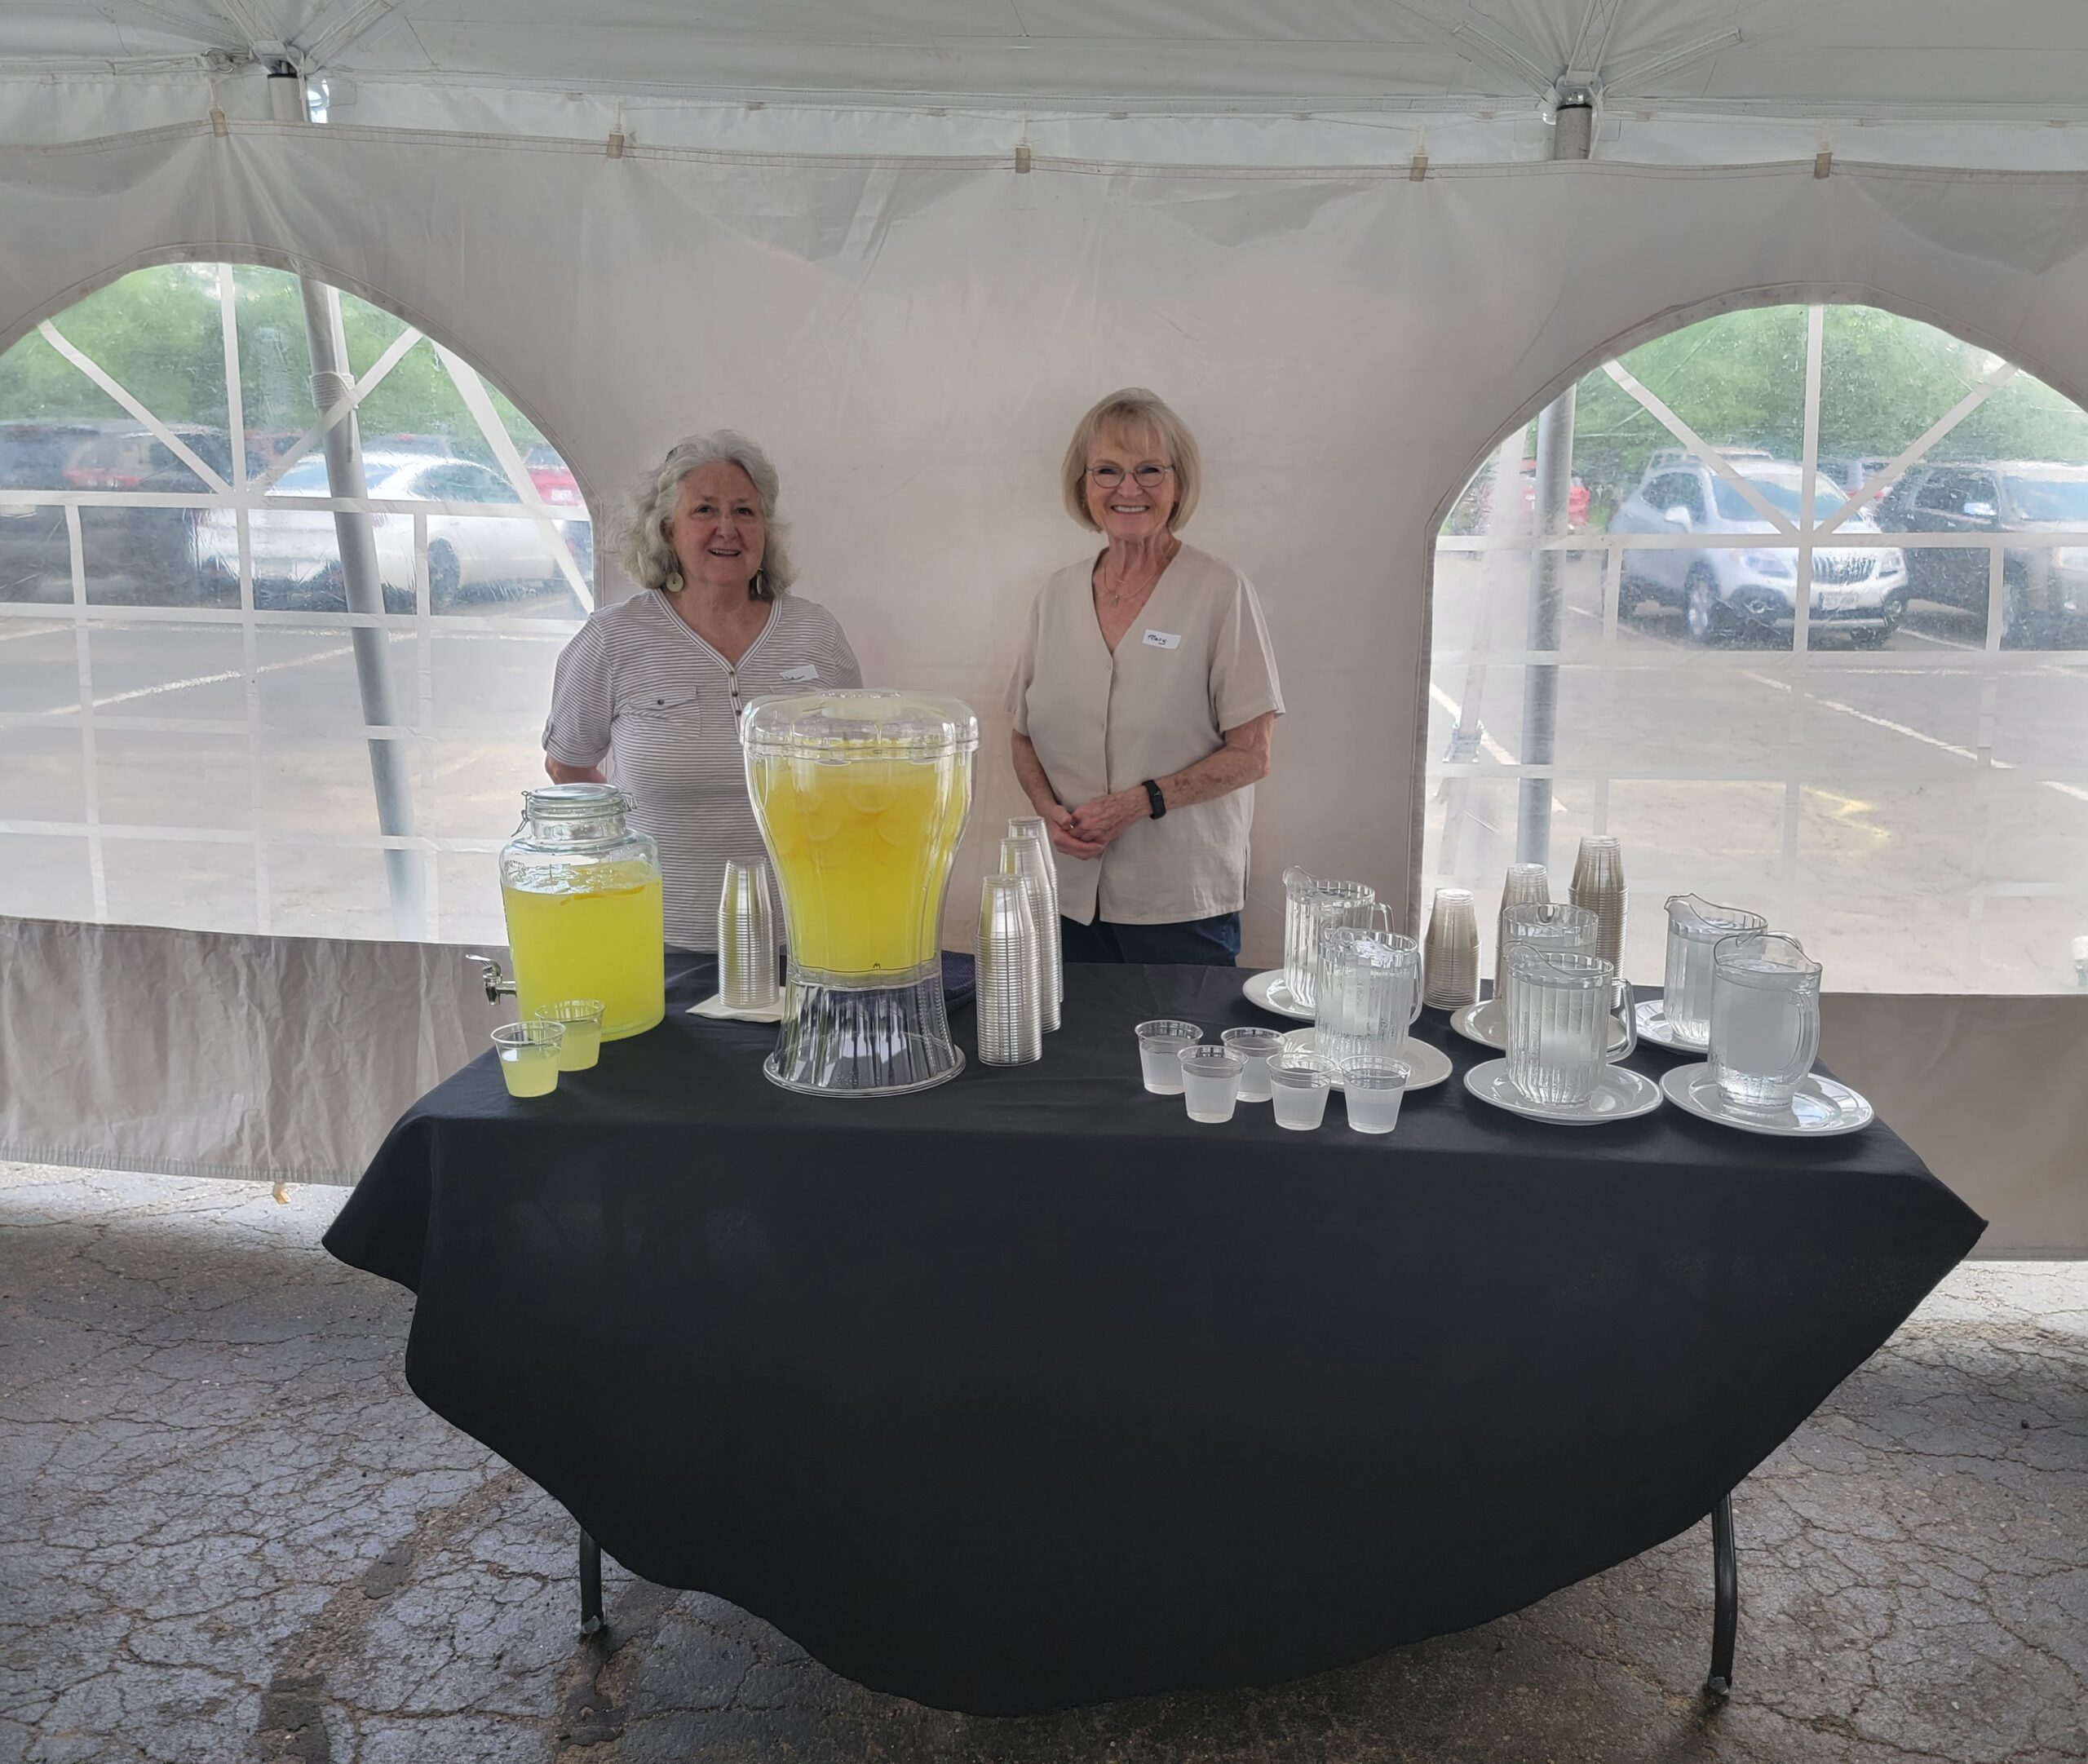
(494, 977)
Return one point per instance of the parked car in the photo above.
(1720, 589)
(133, 555)
(296, 551)
(36, 555)
(553, 477)
(1474, 512)
(148, 556)
(2044, 589)
(1851, 473)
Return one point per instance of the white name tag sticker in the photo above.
(1163, 639)
(803, 671)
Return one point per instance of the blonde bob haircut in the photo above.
(639, 538)
(1128, 415)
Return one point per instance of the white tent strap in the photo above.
(1396, 167)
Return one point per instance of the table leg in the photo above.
(591, 1586)
(1725, 1610)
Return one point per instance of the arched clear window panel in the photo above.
(1891, 760)
(214, 720)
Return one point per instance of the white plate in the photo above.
(1822, 1106)
(1621, 1095)
(1653, 1027)
(1268, 991)
(1483, 1023)
(1430, 1065)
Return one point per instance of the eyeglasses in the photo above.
(1110, 476)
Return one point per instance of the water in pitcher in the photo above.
(1764, 1032)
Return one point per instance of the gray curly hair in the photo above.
(639, 542)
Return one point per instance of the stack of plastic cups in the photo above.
(1033, 826)
(1449, 954)
(747, 937)
(1023, 858)
(1599, 885)
(1526, 885)
(1008, 1003)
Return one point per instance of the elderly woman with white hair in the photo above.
(648, 695)
(1144, 703)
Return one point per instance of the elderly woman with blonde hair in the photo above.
(648, 694)
(1144, 703)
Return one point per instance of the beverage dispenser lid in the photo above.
(863, 723)
(574, 801)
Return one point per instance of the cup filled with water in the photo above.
(1160, 1042)
(528, 1056)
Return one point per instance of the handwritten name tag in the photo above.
(803, 671)
(1163, 639)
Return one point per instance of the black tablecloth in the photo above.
(1028, 1390)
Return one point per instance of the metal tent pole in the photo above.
(1571, 137)
(331, 383)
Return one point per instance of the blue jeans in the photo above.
(1213, 942)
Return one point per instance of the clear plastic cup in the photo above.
(1161, 1043)
(528, 1056)
(1210, 1080)
(1299, 1084)
(1375, 1089)
(582, 1019)
(1260, 1046)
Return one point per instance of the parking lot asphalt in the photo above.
(1916, 814)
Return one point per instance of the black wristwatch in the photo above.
(1153, 796)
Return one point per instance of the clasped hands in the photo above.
(1086, 831)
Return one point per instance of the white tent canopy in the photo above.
(905, 245)
(1688, 80)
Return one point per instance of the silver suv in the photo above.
(1723, 589)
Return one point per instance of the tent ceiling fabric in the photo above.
(1901, 57)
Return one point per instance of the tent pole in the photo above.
(1571, 137)
(331, 383)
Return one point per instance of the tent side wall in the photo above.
(912, 341)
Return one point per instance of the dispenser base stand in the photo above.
(864, 1035)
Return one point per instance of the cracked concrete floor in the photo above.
(227, 1532)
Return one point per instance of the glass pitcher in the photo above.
(1765, 1018)
(1694, 925)
(1554, 926)
(1563, 1010)
(1325, 906)
(861, 797)
(581, 892)
(1368, 993)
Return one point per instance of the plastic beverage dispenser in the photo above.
(582, 890)
(862, 796)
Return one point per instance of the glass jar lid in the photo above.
(575, 802)
(861, 724)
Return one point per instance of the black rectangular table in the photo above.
(1028, 1390)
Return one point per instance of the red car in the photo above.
(552, 476)
(1576, 501)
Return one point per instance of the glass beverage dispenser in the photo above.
(862, 796)
(582, 890)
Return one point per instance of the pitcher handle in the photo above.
(1630, 1007)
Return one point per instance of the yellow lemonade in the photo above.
(609, 943)
(528, 1073)
(862, 850)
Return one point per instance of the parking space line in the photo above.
(2073, 790)
(1487, 746)
(216, 679)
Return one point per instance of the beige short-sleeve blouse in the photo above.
(1195, 663)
